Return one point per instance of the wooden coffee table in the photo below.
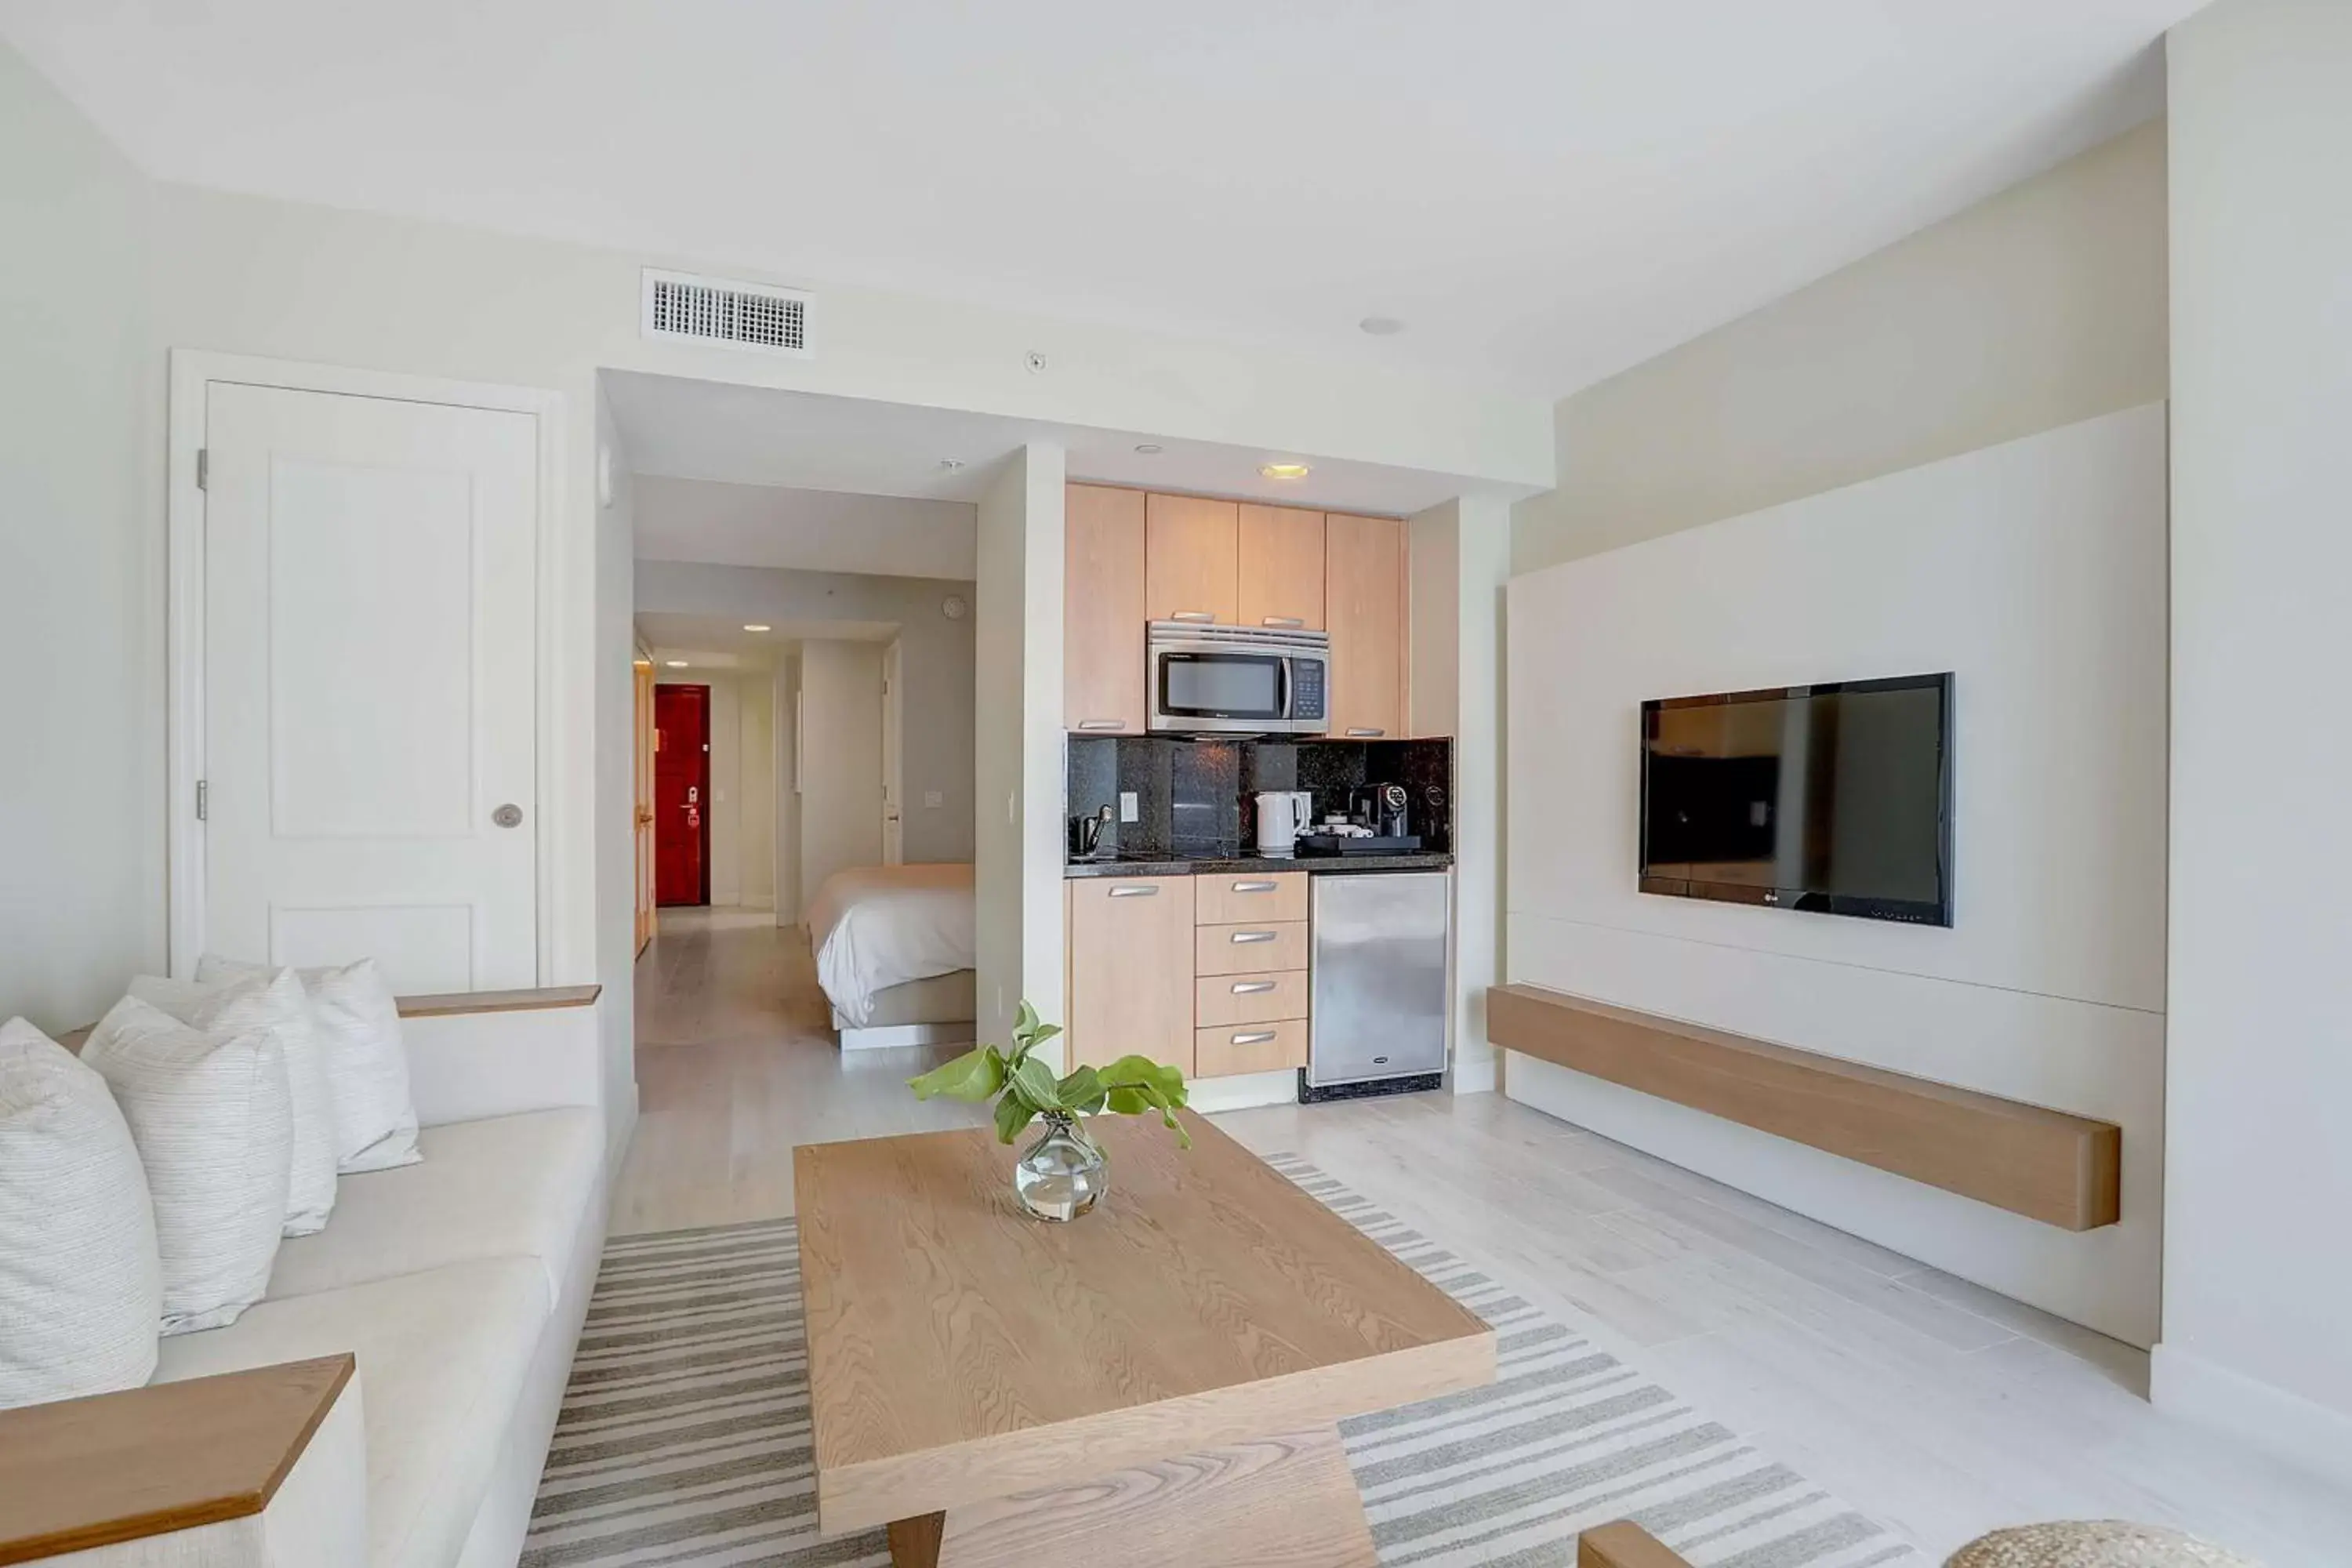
(1156, 1383)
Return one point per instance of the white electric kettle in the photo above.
(1282, 816)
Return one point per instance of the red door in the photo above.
(681, 794)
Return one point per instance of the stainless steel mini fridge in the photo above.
(1379, 979)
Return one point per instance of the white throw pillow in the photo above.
(367, 1067)
(213, 1119)
(81, 1289)
(277, 1006)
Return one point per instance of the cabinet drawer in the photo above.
(1257, 1047)
(1250, 949)
(1223, 999)
(1230, 899)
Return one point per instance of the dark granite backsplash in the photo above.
(1196, 798)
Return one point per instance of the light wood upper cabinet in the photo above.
(1191, 560)
(1130, 969)
(1103, 676)
(1281, 567)
(1364, 610)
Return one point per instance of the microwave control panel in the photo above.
(1306, 689)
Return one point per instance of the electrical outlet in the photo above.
(933, 800)
(1128, 810)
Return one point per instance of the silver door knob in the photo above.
(507, 815)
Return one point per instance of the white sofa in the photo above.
(460, 1283)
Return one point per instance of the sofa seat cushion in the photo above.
(507, 1186)
(442, 1357)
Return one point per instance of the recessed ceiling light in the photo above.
(1285, 471)
(675, 663)
(1380, 326)
(1149, 448)
(749, 627)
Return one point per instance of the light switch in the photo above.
(933, 800)
(1128, 811)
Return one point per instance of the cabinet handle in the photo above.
(1254, 935)
(1254, 886)
(1360, 732)
(1209, 615)
(1102, 723)
(1254, 1038)
(1291, 621)
(1254, 987)
(1145, 892)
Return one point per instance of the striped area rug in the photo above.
(684, 1441)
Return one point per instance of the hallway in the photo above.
(736, 1064)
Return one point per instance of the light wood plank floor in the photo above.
(1939, 1408)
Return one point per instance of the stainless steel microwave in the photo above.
(1238, 681)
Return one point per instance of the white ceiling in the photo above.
(803, 530)
(1545, 190)
(736, 434)
(709, 644)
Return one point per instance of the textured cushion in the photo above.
(2099, 1544)
(82, 1290)
(442, 1357)
(367, 1070)
(508, 1186)
(277, 1006)
(213, 1120)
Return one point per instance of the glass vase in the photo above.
(1060, 1176)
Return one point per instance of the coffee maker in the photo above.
(1382, 808)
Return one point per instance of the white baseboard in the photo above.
(1474, 1077)
(1242, 1090)
(896, 1036)
(2307, 1435)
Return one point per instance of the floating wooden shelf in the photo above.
(2063, 1170)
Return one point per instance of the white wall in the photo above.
(81, 568)
(841, 776)
(1459, 559)
(938, 665)
(788, 797)
(2257, 1277)
(1018, 835)
(615, 793)
(809, 530)
(2034, 571)
(2041, 307)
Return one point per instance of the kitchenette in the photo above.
(1259, 878)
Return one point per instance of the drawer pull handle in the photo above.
(1203, 617)
(1102, 723)
(1364, 733)
(1254, 987)
(1244, 936)
(1145, 892)
(1255, 1037)
(1293, 622)
(1255, 887)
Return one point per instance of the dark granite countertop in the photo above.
(1426, 860)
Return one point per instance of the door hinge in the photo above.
(204, 800)
(204, 467)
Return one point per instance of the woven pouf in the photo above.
(2099, 1543)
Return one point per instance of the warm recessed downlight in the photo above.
(675, 663)
(749, 627)
(1285, 471)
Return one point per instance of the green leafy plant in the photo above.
(1131, 1086)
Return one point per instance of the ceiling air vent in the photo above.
(685, 308)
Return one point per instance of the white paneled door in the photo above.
(369, 649)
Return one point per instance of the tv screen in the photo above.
(1836, 798)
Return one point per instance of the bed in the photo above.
(895, 949)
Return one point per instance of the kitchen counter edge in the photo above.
(1320, 865)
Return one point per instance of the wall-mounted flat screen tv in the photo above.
(1836, 798)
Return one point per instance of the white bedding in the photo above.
(878, 926)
